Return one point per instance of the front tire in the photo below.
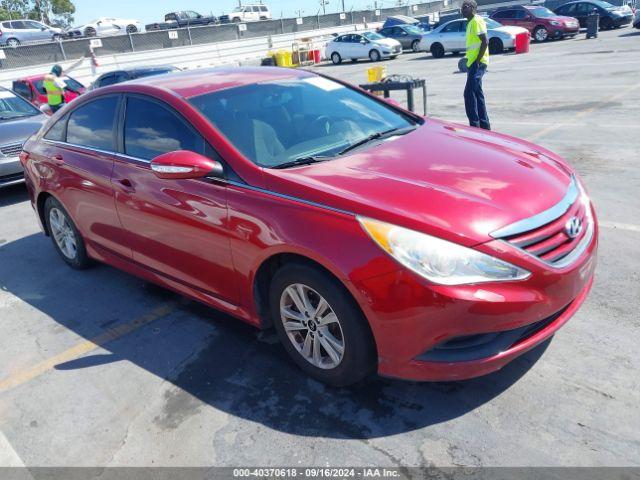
(336, 58)
(90, 32)
(496, 46)
(437, 50)
(13, 42)
(540, 34)
(132, 29)
(374, 56)
(65, 236)
(415, 46)
(606, 23)
(320, 325)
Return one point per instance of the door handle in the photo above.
(58, 159)
(126, 185)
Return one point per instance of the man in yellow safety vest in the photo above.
(55, 86)
(477, 61)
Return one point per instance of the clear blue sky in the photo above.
(150, 11)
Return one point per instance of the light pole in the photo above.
(324, 4)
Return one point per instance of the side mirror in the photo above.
(184, 164)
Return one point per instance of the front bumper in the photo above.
(411, 318)
(621, 21)
(564, 31)
(10, 171)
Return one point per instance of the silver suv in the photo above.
(15, 32)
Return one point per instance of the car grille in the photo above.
(12, 150)
(557, 236)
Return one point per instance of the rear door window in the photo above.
(57, 132)
(92, 124)
(151, 129)
(22, 89)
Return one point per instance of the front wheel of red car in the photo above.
(320, 325)
(65, 236)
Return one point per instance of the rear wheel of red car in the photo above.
(320, 325)
(540, 34)
(65, 236)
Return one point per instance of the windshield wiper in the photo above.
(376, 136)
(301, 161)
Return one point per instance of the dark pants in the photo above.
(55, 108)
(474, 97)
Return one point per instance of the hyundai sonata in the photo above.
(369, 237)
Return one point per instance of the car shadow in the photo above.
(630, 34)
(13, 194)
(225, 363)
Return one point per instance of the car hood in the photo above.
(387, 42)
(443, 179)
(18, 130)
(509, 29)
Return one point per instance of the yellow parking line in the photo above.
(542, 132)
(23, 376)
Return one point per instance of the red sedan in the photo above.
(32, 88)
(369, 237)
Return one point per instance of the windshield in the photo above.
(491, 23)
(238, 9)
(413, 30)
(277, 122)
(12, 106)
(372, 36)
(541, 12)
(604, 4)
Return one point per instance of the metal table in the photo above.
(409, 87)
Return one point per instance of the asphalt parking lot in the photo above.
(98, 368)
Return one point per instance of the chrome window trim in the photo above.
(542, 218)
(97, 150)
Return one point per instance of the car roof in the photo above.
(141, 69)
(191, 83)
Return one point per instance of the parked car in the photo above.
(18, 121)
(451, 37)
(610, 15)
(636, 19)
(405, 20)
(409, 36)
(247, 13)
(182, 19)
(356, 46)
(32, 89)
(105, 26)
(370, 237)
(119, 76)
(541, 22)
(16, 32)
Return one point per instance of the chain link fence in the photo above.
(49, 53)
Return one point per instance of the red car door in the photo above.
(175, 227)
(76, 160)
(525, 20)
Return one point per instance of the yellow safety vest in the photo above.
(55, 95)
(475, 28)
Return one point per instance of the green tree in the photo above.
(53, 12)
(11, 9)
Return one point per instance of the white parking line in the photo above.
(620, 226)
(9, 457)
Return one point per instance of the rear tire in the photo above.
(606, 23)
(65, 236)
(437, 50)
(540, 34)
(132, 29)
(13, 42)
(374, 56)
(336, 58)
(415, 46)
(90, 32)
(495, 46)
(339, 334)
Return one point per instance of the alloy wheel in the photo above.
(541, 34)
(63, 233)
(312, 326)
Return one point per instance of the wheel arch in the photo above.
(40, 202)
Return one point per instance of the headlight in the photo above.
(437, 260)
(554, 23)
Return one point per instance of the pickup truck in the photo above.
(184, 18)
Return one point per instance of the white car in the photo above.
(354, 46)
(451, 37)
(106, 26)
(250, 13)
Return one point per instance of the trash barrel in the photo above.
(376, 74)
(593, 20)
(288, 58)
(522, 42)
(281, 58)
(317, 58)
